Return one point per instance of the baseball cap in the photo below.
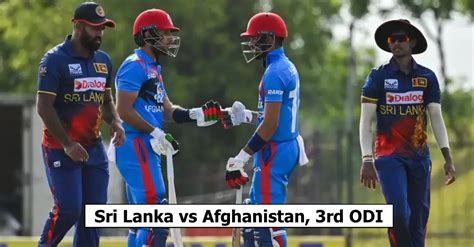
(92, 14)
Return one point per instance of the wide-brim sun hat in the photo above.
(388, 27)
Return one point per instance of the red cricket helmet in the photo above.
(153, 21)
(153, 17)
(266, 22)
(261, 26)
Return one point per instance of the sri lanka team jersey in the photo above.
(139, 73)
(79, 85)
(401, 108)
(280, 83)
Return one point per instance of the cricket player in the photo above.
(276, 145)
(401, 93)
(73, 97)
(143, 105)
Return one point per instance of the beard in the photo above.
(90, 43)
(157, 52)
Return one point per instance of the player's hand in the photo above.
(450, 172)
(236, 115)
(76, 152)
(206, 115)
(368, 175)
(118, 133)
(235, 176)
(161, 142)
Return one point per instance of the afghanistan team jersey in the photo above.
(139, 73)
(401, 108)
(280, 83)
(79, 85)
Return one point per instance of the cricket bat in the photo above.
(175, 232)
(236, 231)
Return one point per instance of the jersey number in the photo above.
(294, 109)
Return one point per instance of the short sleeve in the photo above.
(273, 86)
(130, 77)
(49, 76)
(369, 89)
(433, 92)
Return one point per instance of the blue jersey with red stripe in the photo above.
(280, 83)
(401, 108)
(141, 74)
(79, 85)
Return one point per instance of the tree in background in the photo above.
(442, 10)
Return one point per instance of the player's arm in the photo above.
(238, 114)
(441, 136)
(109, 113)
(128, 114)
(235, 175)
(206, 115)
(268, 127)
(368, 175)
(111, 117)
(45, 108)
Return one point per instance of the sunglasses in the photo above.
(398, 37)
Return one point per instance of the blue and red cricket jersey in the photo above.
(275, 162)
(136, 160)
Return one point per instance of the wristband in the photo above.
(367, 158)
(181, 115)
(256, 143)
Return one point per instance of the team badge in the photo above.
(75, 69)
(101, 68)
(419, 82)
(100, 11)
(390, 84)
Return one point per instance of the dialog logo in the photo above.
(89, 83)
(412, 97)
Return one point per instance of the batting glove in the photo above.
(235, 176)
(206, 115)
(161, 142)
(236, 115)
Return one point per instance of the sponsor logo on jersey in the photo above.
(56, 163)
(101, 68)
(160, 94)
(151, 76)
(412, 97)
(419, 82)
(275, 92)
(390, 84)
(75, 69)
(89, 83)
